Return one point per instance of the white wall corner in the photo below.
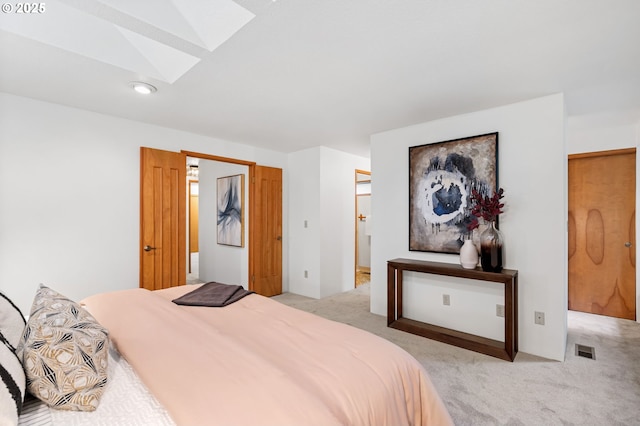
(531, 139)
(323, 194)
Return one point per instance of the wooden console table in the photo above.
(506, 350)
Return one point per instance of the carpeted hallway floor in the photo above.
(482, 390)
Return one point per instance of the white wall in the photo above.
(338, 212)
(532, 170)
(323, 186)
(603, 132)
(70, 196)
(220, 263)
(599, 132)
(304, 222)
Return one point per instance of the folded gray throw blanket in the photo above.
(213, 294)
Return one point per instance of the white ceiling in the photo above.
(293, 74)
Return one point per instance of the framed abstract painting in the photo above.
(441, 178)
(230, 207)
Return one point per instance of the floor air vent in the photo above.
(585, 351)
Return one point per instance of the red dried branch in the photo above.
(485, 207)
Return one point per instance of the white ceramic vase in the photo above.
(468, 255)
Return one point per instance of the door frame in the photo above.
(355, 193)
(251, 237)
(252, 167)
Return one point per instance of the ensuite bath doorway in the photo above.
(192, 214)
(364, 227)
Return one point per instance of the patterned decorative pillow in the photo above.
(64, 351)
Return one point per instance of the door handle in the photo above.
(278, 238)
(148, 248)
(628, 244)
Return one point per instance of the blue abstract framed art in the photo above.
(441, 178)
(230, 206)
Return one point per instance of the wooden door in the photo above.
(265, 238)
(602, 188)
(163, 219)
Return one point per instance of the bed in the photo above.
(255, 362)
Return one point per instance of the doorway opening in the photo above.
(364, 223)
(209, 257)
(164, 225)
(193, 204)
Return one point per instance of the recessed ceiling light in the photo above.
(142, 87)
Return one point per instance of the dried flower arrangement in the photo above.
(485, 207)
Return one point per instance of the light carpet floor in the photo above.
(481, 390)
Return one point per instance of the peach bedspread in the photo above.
(259, 362)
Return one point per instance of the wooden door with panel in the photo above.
(602, 233)
(265, 238)
(162, 219)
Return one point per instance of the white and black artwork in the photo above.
(230, 199)
(441, 178)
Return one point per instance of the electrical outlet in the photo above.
(500, 310)
(306, 274)
(306, 224)
(446, 299)
(539, 318)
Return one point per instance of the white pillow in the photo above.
(11, 320)
(12, 378)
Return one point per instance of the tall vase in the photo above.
(491, 249)
(468, 255)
